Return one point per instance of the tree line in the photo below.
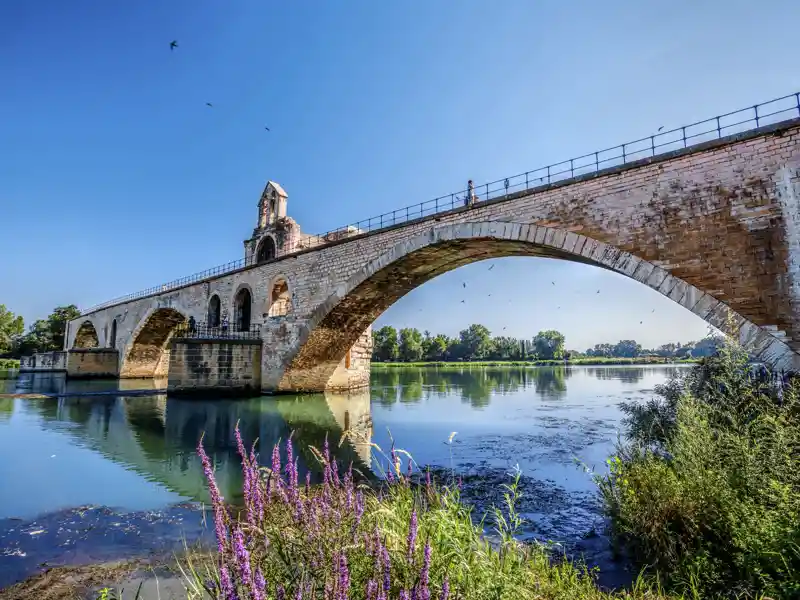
(476, 343)
(43, 335)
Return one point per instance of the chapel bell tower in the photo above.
(273, 234)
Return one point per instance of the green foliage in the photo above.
(707, 489)
(549, 345)
(475, 342)
(9, 363)
(410, 344)
(11, 327)
(435, 348)
(385, 346)
(45, 335)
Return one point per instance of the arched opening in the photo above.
(266, 250)
(148, 354)
(86, 337)
(112, 336)
(242, 307)
(280, 301)
(340, 320)
(214, 311)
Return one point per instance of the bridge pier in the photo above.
(93, 363)
(213, 367)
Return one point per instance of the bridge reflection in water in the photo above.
(157, 436)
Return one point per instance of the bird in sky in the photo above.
(660, 128)
(553, 282)
(464, 283)
(492, 267)
(504, 328)
(462, 302)
(598, 291)
(640, 322)
(209, 105)
(652, 311)
(267, 128)
(173, 44)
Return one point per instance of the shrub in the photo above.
(707, 489)
(9, 363)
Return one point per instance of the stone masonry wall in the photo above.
(719, 217)
(84, 363)
(198, 366)
(44, 361)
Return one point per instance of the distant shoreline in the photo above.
(609, 362)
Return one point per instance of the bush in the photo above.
(707, 489)
(340, 541)
(9, 363)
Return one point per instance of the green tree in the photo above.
(627, 349)
(475, 342)
(435, 348)
(410, 344)
(601, 350)
(57, 324)
(384, 344)
(11, 327)
(549, 345)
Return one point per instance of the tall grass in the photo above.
(340, 540)
(706, 491)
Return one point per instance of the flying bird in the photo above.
(462, 302)
(267, 128)
(464, 283)
(209, 105)
(492, 267)
(173, 44)
(553, 282)
(504, 328)
(660, 128)
(640, 322)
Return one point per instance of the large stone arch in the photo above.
(86, 336)
(147, 354)
(336, 324)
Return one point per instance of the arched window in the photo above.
(243, 304)
(266, 250)
(112, 338)
(214, 311)
(280, 301)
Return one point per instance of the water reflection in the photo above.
(156, 436)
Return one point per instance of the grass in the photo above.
(340, 540)
(540, 363)
(706, 490)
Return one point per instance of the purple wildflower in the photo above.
(280, 593)
(412, 535)
(445, 589)
(425, 574)
(371, 589)
(216, 499)
(359, 507)
(299, 594)
(335, 472)
(226, 585)
(387, 577)
(259, 586)
(404, 595)
(428, 478)
(242, 556)
(344, 577)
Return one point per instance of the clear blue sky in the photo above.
(115, 176)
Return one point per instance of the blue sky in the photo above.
(116, 176)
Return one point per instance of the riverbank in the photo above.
(594, 361)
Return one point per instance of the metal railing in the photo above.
(220, 332)
(662, 142)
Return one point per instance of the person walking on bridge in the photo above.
(470, 194)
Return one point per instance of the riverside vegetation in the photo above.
(705, 493)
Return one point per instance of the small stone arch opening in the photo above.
(86, 337)
(214, 311)
(112, 336)
(148, 354)
(280, 300)
(242, 304)
(266, 250)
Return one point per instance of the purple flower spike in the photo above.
(242, 556)
(404, 595)
(216, 499)
(259, 586)
(280, 593)
(387, 578)
(225, 583)
(445, 589)
(412, 535)
(344, 578)
(425, 574)
(371, 590)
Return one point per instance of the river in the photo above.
(92, 472)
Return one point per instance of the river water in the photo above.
(93, 472)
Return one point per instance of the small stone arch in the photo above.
(86, 336)
(267, 250)
(335, 325)
(147, 355)
(214, 316)
(112, 336)
(242, 308)
(279, 301)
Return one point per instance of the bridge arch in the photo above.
(336, 324)
(147, 355)
(86, 336)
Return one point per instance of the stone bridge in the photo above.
(714, 227)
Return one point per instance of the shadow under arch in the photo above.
(86, 336)
(335, 325)
(147, 355)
